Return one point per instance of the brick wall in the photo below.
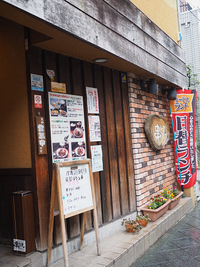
(153, 169)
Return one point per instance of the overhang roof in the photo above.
(89, 30)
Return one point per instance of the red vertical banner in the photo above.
(183, 110)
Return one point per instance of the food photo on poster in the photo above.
(78, 149)
(76, 129)
(58, 107)
(61, 151)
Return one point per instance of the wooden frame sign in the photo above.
(72, 193)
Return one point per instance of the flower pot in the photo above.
(130, 228)
(157, 213)
(175, 200)
(143, 222)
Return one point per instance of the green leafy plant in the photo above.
(175, 191)
(157, 202)
(192, 78)
(142, 217)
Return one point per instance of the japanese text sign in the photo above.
(92, 100)
(41, 136)
(183, 110)
(76, 188)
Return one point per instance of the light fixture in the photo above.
(101, 60)
(152, 87)
(171, 94)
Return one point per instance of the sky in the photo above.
(195, 3)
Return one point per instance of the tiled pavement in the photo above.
(122, 248)
(179, 246)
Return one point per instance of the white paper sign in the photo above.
(94, 128)
(76, 188)
(97, 159)
(19, 245)
(92, 100)
(67, 127)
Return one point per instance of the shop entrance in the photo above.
(22, 168)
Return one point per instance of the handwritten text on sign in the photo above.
(76, 188)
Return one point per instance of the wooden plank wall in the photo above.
(114, 187)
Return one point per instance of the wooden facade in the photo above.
(114, 186)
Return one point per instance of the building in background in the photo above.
(184, 6)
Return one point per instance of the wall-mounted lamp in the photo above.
(152, 87)
(101, 60)
(171, 94)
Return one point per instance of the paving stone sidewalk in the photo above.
(180, 246)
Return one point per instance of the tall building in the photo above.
(184, 6)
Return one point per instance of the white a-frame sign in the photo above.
(73, 188)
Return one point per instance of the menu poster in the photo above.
(67, 127)
(97, 159)
(76, 188)
(92, 100)
(94, 128)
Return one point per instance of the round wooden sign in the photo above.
(157, 131)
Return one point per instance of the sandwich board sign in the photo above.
(73, 188)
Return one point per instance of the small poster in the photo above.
(94, 128)
(76, 188)
(19, 245)
(37, 82)
(92, 100)
(58, 87)
(67, 127)
(97, 159)
(38, 101)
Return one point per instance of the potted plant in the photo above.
(143, 220)
(131, 225)
(173, 194)
(156, 207)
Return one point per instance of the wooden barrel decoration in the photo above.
(157, 131)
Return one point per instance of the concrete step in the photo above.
(8, 258)
(122, 248)
(117, 250)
